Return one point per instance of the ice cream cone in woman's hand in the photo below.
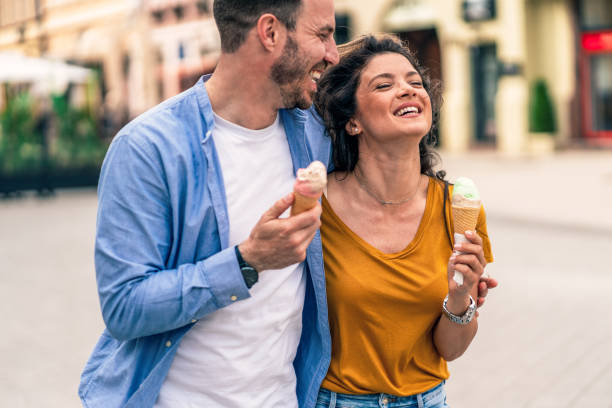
(465, 203)
(308, 187)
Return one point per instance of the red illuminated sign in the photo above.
(597, 41)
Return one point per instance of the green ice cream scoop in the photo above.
(465, 187)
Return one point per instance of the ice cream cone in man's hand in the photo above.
(308, 187)
(466, 204)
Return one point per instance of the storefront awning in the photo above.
(45, 74)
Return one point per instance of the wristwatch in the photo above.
(467, 316)
(249, 274)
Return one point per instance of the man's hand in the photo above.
(484, 285)
(275, 243)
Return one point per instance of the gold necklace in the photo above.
(381, 201)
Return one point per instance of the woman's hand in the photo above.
(468, 258)
(452, 339)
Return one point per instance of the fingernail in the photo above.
(469, 233)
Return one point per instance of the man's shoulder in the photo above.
(177, 112)
(175, 122)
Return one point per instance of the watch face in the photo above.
(250, 276)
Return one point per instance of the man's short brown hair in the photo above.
(235, 18)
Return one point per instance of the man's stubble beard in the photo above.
(288, 72)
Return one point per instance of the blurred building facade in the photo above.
(489, 55)
(185, 42)
(144, 50)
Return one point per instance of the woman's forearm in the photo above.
(452, 339)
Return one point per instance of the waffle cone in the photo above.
(465, 218)
(302, 203)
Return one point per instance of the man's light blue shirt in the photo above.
(162, 257)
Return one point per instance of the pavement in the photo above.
(570, 189)
(49, 310)
(544, 335)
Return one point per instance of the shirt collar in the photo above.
(205, 107)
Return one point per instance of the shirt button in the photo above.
(168, 343)
(234, 298)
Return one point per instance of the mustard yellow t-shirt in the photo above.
(383, 307)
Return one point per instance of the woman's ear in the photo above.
(352, 128)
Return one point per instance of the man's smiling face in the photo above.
(307, 52)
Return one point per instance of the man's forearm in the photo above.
(140, 301)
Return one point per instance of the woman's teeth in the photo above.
(409, 109)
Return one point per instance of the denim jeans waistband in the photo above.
(432, 398)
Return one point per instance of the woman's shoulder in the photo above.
(440, 185)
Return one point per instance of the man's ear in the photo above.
(269, 31)
(352, 127)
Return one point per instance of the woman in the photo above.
(388, 254)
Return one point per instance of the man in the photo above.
(181, 197)
(206, 290)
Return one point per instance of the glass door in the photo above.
(484, 86)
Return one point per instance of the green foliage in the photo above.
(58, 139)
(541, 111)
(77, 141)
(20, 141)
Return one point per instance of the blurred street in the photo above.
(544, 335)
(542, 340)
(48, 300)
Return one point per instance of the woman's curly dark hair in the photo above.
(335, 100)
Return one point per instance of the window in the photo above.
(12, 11)
(343, 28)
(125, 65)
(158, 15)
(179, 11)
(478, 10)
(203, 7)
(601, 92)
(596, 14)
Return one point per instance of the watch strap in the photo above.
(241, 261)
(249, 274)
(464, 319)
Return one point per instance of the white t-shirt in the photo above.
(242, 355)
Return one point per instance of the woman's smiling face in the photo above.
(391, 100)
